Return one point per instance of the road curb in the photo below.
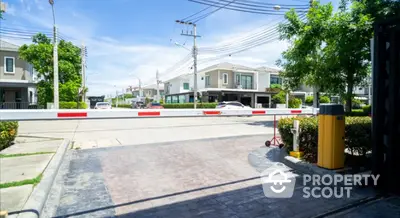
(305, 167)
(36, 201)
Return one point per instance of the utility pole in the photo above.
(194, 35)
(158, 88)
(116, 102)
(83, 59)
(55, 58)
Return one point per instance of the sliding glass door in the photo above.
(247, 82)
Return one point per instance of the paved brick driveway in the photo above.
(199, 178)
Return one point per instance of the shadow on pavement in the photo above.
(242, 202)
(262, 123)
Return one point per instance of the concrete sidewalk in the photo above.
(21, 168)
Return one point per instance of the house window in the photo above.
(238, 79)
(186, 86)
(247, 81)
(207, 80)
(225, 78)
(9, 65)
(275, 79)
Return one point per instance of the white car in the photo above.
(231, 105)
(102, 105)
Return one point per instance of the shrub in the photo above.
(294, 102)
(309, 100)
(357, 135)
(276, 86)
(279, 98)
(72, 105)
(122, 105)
(308, 137)
(189, 105)
(367, 109)
(356, 103)
(324, 100)
(356, 113)
(8, 132)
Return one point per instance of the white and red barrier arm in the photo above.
(20, 115)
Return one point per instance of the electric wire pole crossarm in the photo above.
(194, 35)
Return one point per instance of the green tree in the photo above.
(303, 61)
(329, 50)
(347, 50)
(40, 55)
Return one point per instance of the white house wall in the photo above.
(263, 81)
(175, 86)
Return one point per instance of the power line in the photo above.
(184, 19)
(244, 9)
(242, 42)
(30, 32)
(212, 12)
(258, 5)
(268, 4)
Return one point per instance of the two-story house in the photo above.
(148, 91)
(225, 82)
(17, 79)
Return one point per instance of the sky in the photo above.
(131, 39)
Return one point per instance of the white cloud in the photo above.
(112, 61)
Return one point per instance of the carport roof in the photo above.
(16, 84)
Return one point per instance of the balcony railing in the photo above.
(18, 105)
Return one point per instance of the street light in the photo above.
(180, 45)
(55, 58)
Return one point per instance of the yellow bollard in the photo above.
(331, 136)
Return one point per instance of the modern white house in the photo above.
(225, 82)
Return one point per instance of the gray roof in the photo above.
(154, 86)
(268, 69)
(6, 46)
(228, 66)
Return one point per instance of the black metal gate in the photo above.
(386, 105)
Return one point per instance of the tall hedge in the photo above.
(72, 105)
(357, 135)
(8, 132)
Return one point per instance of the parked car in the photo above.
(154, 105)
(231, 105)
(102, 105)
(138, 105)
